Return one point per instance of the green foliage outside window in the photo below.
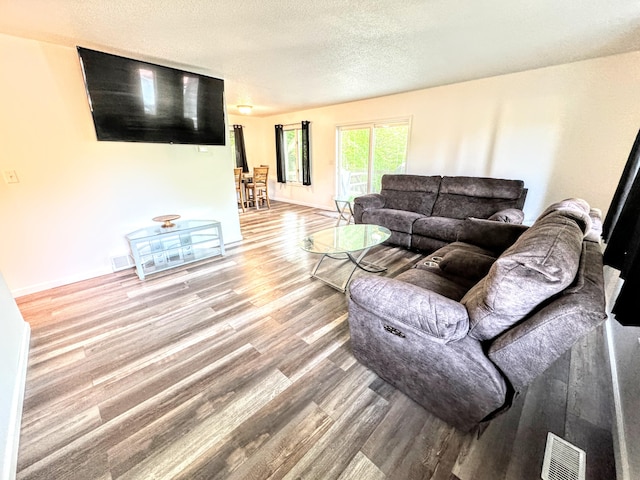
(293, 146)
(390, 152)
(361, 156)
(355, 150)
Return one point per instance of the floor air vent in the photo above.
(121, 262)
(563, 461)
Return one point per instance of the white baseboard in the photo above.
(9, 457)
(39, 287)
(58, 282)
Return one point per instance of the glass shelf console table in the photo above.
(158, 248)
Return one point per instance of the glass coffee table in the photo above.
(342, 243)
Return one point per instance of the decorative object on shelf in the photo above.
(167, 219)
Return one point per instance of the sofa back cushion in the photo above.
(412, 193)
(462, 197)
(489, 234)
(575, 208)
(541, 263)
(525, 351)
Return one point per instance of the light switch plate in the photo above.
(10, 176)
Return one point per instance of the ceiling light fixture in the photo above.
(245, 109)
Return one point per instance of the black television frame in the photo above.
(177, 107)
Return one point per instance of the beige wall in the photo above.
(77, 197)
(565, 130)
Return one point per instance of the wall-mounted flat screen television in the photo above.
(135, 101)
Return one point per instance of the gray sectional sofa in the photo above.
(426, 212)
(480, 318)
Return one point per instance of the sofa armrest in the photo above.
(370, 201)
(489, 234)
(423, 311)
(455, 381)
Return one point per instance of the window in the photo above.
(293, 154)
(368, 151)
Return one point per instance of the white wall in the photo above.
(14, 350)
(565, 130)
(77, 197)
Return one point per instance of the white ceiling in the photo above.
(289, 55)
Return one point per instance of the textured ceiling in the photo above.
(289, 55)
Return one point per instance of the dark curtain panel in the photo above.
(625, 308)
(280, 155)
(306, 158)
(623, 239)
(622, 192)
(241, 154)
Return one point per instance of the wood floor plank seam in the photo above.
(181, 452)
(240, 367)
(112, 425)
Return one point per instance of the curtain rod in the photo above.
(284, 125)
(292, 124)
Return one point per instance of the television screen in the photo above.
(135, 101)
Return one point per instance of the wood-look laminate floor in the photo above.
(240, 367)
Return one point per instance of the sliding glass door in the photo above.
(368, 151)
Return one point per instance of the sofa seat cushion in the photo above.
(440, 228)
(397, 220)
(426, 244)
(434, 280)
(454, 284)
(471, 265)
(542, 262)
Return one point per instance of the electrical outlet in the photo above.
(10, 176)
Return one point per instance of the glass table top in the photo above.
(155, 230)
(347, 238)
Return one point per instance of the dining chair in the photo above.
(237, 172)
(258, 188)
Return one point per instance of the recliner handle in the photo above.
(395, 331)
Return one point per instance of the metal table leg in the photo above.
(345, 212)
(357, 263)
